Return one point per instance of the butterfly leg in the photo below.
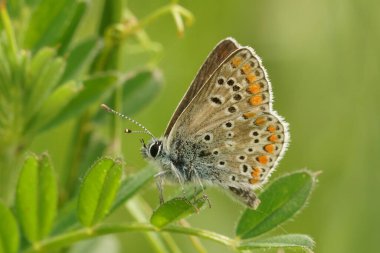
(204, 195)
(159, 182)
(178, 176)
(247, 196)
(192, 199)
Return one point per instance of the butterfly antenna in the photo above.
(130, 131)
(145, 130)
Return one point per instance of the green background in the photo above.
(323, 61)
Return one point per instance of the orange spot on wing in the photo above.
(260, 120)
(256, 100)
(254, 88)
(262, 159)
(256, 172)
(249, 115)
(255, 175)
(273, 138)
(271, 128)
(236, 61)
(251, 78)
(246, 68)
(269, 148)
(253, 180)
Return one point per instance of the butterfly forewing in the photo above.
(216, 57)
(232, 118)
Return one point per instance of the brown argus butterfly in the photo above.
(224, 131)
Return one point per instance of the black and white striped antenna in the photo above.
(127, 130)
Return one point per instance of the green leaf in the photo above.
(67, 217)
(88, 146)
(98, 191)
(139, 90)
(93, 90)
(46, 81)
(26, 198)
(39, 61)
(279, 202)
(49, 22)
(132, 184)
(36, 197)
(290, 241)
(9, 234)
(175, 209)
(76, 17)
(112, 13)
(48, 195)
(53, 104)
(94, 147)
(80, 58)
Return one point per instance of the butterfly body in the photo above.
(224, 132)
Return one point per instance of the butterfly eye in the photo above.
(155, 149)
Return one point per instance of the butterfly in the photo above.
(224, 131)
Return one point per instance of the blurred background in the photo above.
(323, 58)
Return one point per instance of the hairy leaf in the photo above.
(290, 241)
(279, 202)
(36, 197)
(98, 191)
(9, 234)
(175, 209)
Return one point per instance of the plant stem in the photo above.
(137, 208)
(195, 240)
(167, 9)
(118, 32)
(149, 19)
(86, 233)
(172, 245)
(222, 239)
(141, 210)
(8, 29)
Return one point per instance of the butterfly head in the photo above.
(153, 149)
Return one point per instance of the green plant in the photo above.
(50, 75)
